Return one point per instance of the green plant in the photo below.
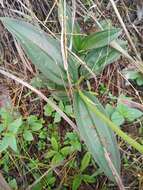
(30, 126)
(14, 126)
(122, 113)
(58, 153)
(4, 162)
(134, 75)
(9, 129)
(46, 183)
(13, 184)
(88, 56)
(49, 111)
(72, 139)
(81, 176)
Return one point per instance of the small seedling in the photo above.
(122, 113)
(31, 125)
(9, 130)
(48, 111)
(134, 75)
(57, 153)
(81, 176)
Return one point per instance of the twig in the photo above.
(114, 172)
(63, 42)
(41, 95)
(124, 27)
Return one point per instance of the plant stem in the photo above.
(110, 124)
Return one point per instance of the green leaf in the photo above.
(43, 48)
(97, 59)
(14, 126)
(96, 133)
(1, 127)
(34, 123)
(76, 145)
(50, 154)
(51, 180)
(76, 182)
(133, 114)
(134, 75)
(85, 161)
(130, 114)
(131, 74)
(13, 184)
(66, 150)
(6, 116)
(54, 144)
(9, 140)
(123, 109)
(57, 159)
(4, 143)
(57, 118)
(13, 143)
(60, 95)
(69, 110)
(48, 110)
(61, 105)
(28, 135)
(140, 81)
(109, 109)
(99, 39)
(32, 119)
(117, 118)
(40, 48)
(36, 126)
(88, 179)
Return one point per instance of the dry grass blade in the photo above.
(73, 22)
(64, 50)
(41, 95)
(115, 173)
(50, 12)
(124, 27)
(23, 57)
(137, 61)
(84, 64)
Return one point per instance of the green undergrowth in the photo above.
(35, 145)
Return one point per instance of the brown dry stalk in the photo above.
(114, 172)
(41, 95)
(124, 27)
(64, 50)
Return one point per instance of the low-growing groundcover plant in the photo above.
(123, 113)
(86, 56)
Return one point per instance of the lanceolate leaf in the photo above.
(97, 59)
(96, 134)
(42, 49)
(100, 39)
